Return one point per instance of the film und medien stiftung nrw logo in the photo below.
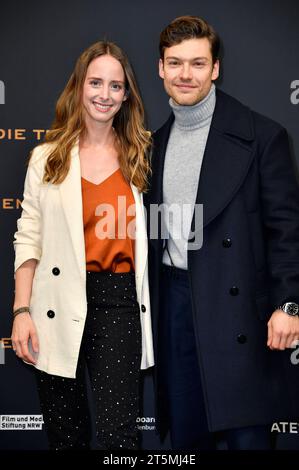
(2, 92)
(21, 422)
(294, 97)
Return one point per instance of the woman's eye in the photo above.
(95, 82)
(116, 86)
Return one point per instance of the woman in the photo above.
(81, 283)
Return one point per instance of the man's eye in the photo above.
(199, 64)
(173, 62)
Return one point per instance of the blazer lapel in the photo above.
(141, 248)
(71, 198)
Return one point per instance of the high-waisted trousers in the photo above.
(111, 352)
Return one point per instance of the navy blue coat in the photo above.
(247, 267)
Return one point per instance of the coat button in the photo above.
(241, 339)
(143, 309)
(51, 314)
(55, 271)
(234, 290)
(227, 243)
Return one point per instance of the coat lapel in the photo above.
(228, 155)
(71, 198)
(225, 165)
(157, 163)
(155, 194)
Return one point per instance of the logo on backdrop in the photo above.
(9, 203)
(285, 427)
(22, 134)
(2, 92)
(21, 422)
(5, 343)
(295, 354)
(146, 423)
(294, 97)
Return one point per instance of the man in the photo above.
(225, 315)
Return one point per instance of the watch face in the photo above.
(291, 308)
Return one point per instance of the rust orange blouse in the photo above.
(109, 220)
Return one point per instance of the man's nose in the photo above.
(186, 72)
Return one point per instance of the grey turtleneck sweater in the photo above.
(183, 159)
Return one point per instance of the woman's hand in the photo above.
(23, 330)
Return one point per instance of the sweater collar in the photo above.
(196, 116)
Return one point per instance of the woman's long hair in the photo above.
(68, 125)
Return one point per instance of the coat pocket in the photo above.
(257, 240)
(263, 307)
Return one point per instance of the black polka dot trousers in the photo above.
(111, 352)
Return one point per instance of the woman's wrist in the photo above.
(23, 309)
(22, 302)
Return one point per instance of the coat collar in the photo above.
(227, 156)
(230, 117)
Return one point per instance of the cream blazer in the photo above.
(51, 230)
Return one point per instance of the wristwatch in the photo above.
(291, 308)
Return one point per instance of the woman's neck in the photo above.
(98, 135)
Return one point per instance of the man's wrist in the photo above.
(290, 308)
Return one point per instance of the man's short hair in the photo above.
(189, 27)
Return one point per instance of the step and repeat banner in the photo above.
(39, 43)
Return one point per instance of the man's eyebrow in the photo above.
(192, 60)
(201, 58)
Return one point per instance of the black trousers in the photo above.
(111, 351)
(179, 376)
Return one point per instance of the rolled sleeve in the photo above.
(27, 238)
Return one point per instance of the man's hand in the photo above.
(283, 330)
